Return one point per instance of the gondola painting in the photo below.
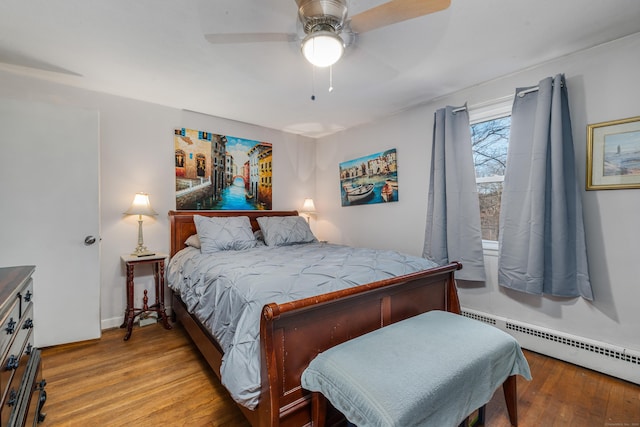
(370, 179)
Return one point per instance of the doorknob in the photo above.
(89, 240)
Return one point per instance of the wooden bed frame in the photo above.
(292, 334)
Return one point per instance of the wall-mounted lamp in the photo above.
(141, 206)
(308, 208)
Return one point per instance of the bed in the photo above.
(293, 331)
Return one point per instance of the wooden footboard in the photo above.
(292, 334)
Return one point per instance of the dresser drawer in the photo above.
(35, 396)
(15, 359)
(15, 378)
(25, 296)
(9, 326)
(20, 362)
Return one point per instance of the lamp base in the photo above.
(142, 251)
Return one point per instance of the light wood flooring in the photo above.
(159, 378)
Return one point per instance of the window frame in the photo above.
(487, 111)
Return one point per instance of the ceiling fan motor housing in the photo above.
(322, 15)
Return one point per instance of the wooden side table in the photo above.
(157, 262)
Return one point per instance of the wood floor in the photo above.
(159, 378)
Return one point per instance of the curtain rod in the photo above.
(520, 94)
(484, 104)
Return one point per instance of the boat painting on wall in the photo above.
(370, 179)
(220, 172)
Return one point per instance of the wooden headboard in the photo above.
(182, 225)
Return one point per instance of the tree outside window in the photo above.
(490, 140)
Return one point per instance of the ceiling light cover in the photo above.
(322, 48)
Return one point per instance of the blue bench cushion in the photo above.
(433, 369)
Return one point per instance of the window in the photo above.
(490, 129)
(200, 165)
(180, 155)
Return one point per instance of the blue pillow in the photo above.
(224, 233)
(285, 230)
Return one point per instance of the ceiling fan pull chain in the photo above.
(313, 82)
(331, 78)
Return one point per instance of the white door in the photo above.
(49, 205)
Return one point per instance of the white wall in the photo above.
(136, 154)
(603, 85)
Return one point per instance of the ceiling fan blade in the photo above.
(234, 38)
(395, 11)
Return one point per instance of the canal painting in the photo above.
(370, 179)
(220, 172)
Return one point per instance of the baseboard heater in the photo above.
(602, 357)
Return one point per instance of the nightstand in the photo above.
(157, 263)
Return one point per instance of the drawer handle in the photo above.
(28, 296)
(11, 326)
(12, 363)
(28, 324)
(42, 399)
(29, 349)
(13, 397)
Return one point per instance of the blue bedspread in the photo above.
(227, 290)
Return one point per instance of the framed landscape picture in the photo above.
(613, 154)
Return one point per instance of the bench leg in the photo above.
(511, 398)
(481, 414)
(318, 409)
(478, 421)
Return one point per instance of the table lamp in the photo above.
(141, 206)
(308, 208)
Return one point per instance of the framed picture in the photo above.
(221, 172)
(370, 179)
(613, 154)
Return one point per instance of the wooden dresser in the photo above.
(21, 384)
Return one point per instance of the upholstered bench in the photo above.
(433, 369)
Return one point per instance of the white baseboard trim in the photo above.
(114, 322)
(602, 357)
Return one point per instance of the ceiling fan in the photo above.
(328, 29)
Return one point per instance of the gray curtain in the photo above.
(453, 214)
(542, 243)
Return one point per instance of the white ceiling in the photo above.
(155, 51)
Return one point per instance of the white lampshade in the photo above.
(322, 48)
(141, 206)
(308, 206)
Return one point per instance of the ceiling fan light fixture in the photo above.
(322, 48)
